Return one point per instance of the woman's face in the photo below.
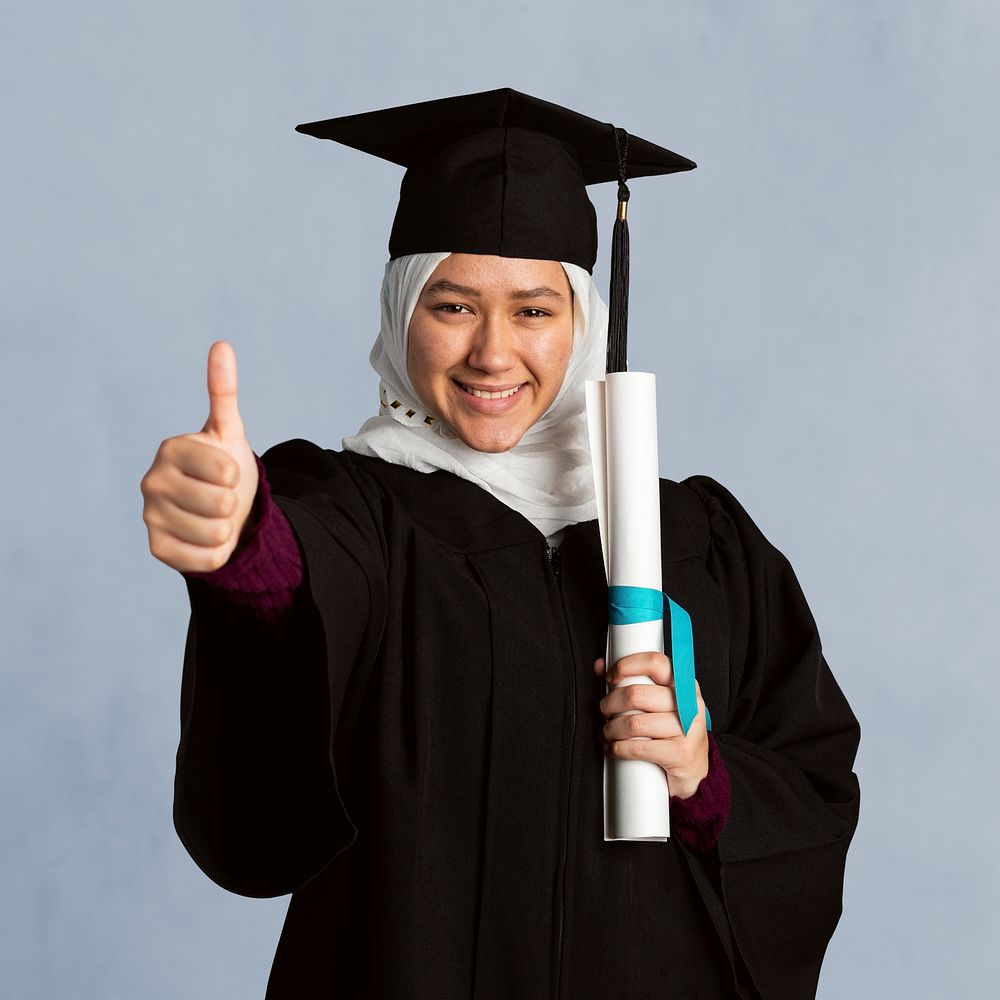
(488, 345)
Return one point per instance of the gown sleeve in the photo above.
(264, 702)
(775, 878)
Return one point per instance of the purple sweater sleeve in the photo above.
(699, 820)
(265, 570)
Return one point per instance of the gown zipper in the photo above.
(554, 562)
(553, 553)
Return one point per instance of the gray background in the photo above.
(819, 299)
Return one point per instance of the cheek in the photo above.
(555, 359)
(420, 355)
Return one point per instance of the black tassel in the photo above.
(618, 304)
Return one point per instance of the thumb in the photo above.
(223, 413)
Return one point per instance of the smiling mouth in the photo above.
(488, 393)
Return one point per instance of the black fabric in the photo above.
(497, 172)
(415, 754)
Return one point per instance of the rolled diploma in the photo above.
(622, 421)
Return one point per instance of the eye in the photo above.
(447, 307)
(539, 313)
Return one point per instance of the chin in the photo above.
(491, 449)
(492, 445)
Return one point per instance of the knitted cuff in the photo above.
(699, 820)
(264, 574)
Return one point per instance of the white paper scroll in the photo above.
(621, 412)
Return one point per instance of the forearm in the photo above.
(698, 820)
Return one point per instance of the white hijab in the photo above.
(547, 475)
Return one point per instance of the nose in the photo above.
(493, 346)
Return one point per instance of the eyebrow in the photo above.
(541, 292)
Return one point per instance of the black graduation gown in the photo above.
(414, 752)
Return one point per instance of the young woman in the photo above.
(393, 704)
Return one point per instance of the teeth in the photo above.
(503, 394)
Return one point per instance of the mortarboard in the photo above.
(503, 173)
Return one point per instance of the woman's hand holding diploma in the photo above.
(200, 489)
(643, 723)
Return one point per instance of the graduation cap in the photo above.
(504, 173)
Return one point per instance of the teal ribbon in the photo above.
(631, 605)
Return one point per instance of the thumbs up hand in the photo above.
(198, 493)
